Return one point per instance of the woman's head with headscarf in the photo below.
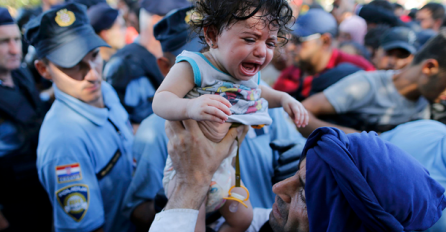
(356, 182)
(353, 29)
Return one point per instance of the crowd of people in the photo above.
(222, 115)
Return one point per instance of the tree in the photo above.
(16, 4)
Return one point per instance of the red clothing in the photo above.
(130, 35)
(405, 18)
(290, 78)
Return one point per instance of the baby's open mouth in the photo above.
(249, 69)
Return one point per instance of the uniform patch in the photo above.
(68, 173)
(74, 200)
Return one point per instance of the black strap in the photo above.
(107, 168)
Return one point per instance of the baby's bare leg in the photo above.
(201, 220)
(241, 219)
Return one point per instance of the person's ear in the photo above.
(430, 67)
(326, 39)
(104, 35)
(438, 23)
(164, 65)
(210, 35)
(43, 69)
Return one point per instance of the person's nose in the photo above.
(286, 188)
(391, 62)
(14, 47)
(93, 74)
(260, 50)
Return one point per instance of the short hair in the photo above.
(413, 13)
(397, 6)
(382, 4)
(436, 9)
(435, 48)
(373, 36)
(133, 6)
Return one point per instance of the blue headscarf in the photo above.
(358, 182)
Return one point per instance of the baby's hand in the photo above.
(209, 108)
(295, 110)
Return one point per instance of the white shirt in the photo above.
(185, 220)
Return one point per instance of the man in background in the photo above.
(21, 115)
(397, 49)
(431, 16)
(313, 54)
(133, 71)
(110, 26)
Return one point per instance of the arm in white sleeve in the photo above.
(175, 220)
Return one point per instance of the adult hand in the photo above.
(195, 160)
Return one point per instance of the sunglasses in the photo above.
(301, 39)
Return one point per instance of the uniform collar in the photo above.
(96, 115)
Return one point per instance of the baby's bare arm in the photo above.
(294, 108)
(168, 102)
(273, 96)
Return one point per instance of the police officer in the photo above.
(150, 147)
(110, 26)
(21, 116)
(132, 71)
(84, 154)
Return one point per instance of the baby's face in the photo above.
(246, 47)
(214, 131)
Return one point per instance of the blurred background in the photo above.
(14, 5)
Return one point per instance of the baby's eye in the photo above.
(271, 44)
(249, 40)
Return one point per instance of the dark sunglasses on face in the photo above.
(301, 39)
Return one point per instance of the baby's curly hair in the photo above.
(221, 14)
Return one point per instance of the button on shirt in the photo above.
(85, 162)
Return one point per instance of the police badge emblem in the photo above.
(65, 18)
(74, 200)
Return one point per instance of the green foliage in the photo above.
(16, 4)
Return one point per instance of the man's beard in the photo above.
(306, 67)
(273, 222)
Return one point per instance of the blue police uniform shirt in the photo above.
(138, 95)
(85, 164)
(256, 160)
(424, 140)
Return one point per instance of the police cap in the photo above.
(164, 7)
(102, 16)
(399, 38)
(63, 35)
(87, 3)
(173, 33)
(5, 17)
(313, 22)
